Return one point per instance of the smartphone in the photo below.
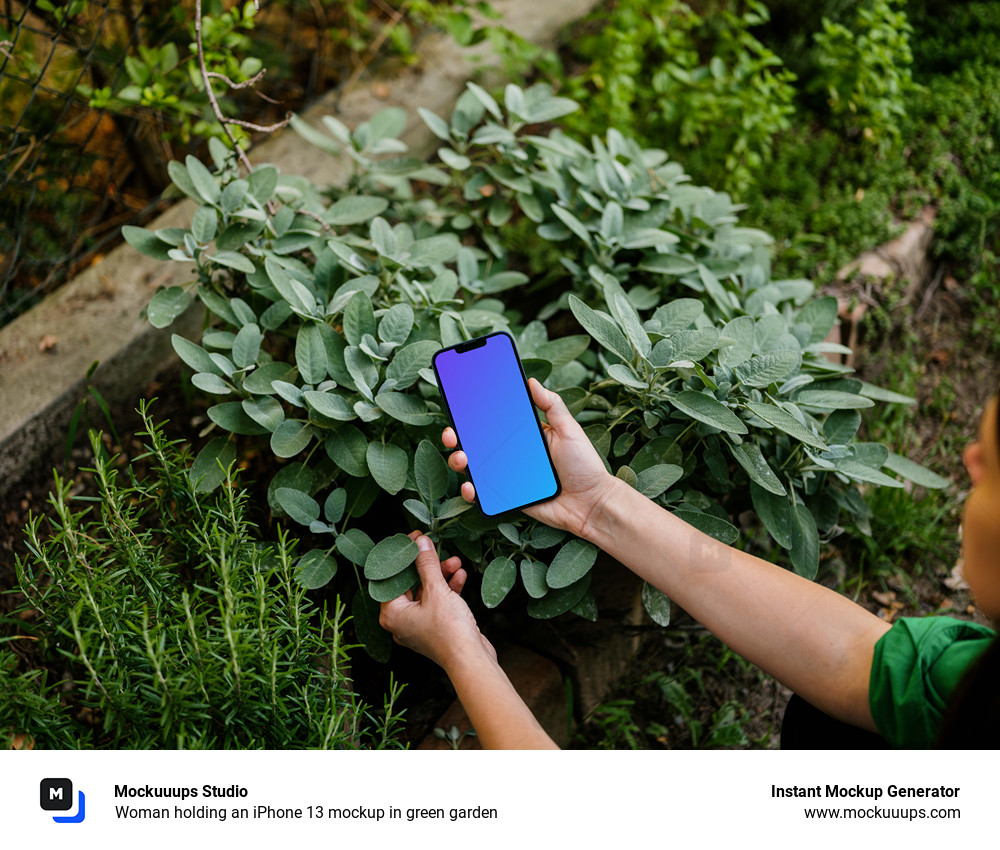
(486, 396)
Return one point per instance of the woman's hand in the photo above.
(584, 479)
(434, 620)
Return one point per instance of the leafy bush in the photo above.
(702, 86)
(175, 626)
(708, 390)
(865, 69)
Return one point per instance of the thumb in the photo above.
(552, 405)
(428, 565)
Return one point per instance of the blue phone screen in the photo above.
(496, 423)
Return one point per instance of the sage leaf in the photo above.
(711, 525)
(880, 394)
(571, 563)
(310, 354)
(708, 409)
(804, 550)
(749, 456)
(602, 328)
(434, 249)
(365, 613)
(290, 438)
(452, 507)
(347, 447)
(832, 400)
(231, 416)
(841, 426)
(765, 369)
(265, 411)
(202, 180)
(194, 355)
(559, 601)
(355, 545)
(861, 472)
(315, 569)
(741, 331)
(533, 578)
(572, 223)
(390, 556)
(914, 472)
(784, 421)
(259, 381)
(388, 465)
(335, 504)
(405, 366)
(331, 405)
(498, 579)
(406, 408)
(246, 346)
(586, 607)
(820, 315)
(657, 604)
(563, 351)
(146, 242)
(775, 512)
(209, 383)
(419, 510)
(301, 507)
(656, 480)
(385, 590)
(430, 471)
(211, 467)
(354, 209)
(396, 324)
(166, 305)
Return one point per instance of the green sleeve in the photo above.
(917, 665)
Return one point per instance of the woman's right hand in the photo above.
(585, 481)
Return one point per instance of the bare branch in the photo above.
(256, 78)
(213, 101)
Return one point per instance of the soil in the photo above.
(636, 713)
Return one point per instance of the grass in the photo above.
(684, 691)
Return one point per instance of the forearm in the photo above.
(809, 637)
(501, 719)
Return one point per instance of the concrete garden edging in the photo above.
(45, 354)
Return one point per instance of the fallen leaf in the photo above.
(20, 741)
(47, 343)
(884, 598)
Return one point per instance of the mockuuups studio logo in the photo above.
(56, 795)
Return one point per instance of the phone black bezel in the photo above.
(478, 342)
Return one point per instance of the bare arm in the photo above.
(815, 641)
(812, 639)
(436, 622)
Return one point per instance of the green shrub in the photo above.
(864, 69)
(701, 86)
(708, 389)
(174, 625)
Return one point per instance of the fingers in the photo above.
(458, 461)
(552, 405)
(429, 567)
(449, 438)
(457, 581)
(452, 569)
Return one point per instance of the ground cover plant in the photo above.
(158, 618)
(700, 380)
(862, 111)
